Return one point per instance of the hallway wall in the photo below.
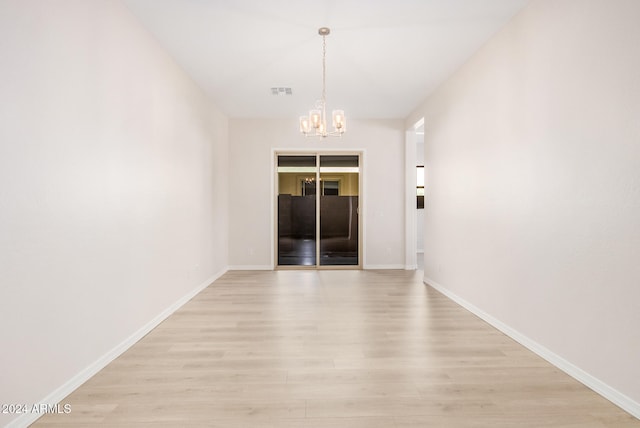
(533, 195)
(113, 190)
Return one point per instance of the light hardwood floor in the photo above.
(328, 349)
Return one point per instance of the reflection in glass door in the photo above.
(297, 210)
(318, 197)
(339, 210)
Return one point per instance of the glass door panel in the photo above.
(297, 193)
(338, 194)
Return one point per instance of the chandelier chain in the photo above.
(324, 69)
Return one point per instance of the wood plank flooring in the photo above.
(329, 349)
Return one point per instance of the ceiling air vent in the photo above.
(280, 91)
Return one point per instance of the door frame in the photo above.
(275, 152)
(411, 227)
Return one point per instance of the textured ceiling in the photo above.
(383, 57)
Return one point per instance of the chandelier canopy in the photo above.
(315, 124)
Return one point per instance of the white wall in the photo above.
(251, 143)
(533, 202)
(113, 191)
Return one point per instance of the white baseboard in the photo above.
(608, 392)
(72, 384)
(383, 267)
(251, 267)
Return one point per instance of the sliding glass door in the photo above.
(339, 178)
(297, 210)
(318, 210)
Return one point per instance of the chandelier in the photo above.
(315, 124)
